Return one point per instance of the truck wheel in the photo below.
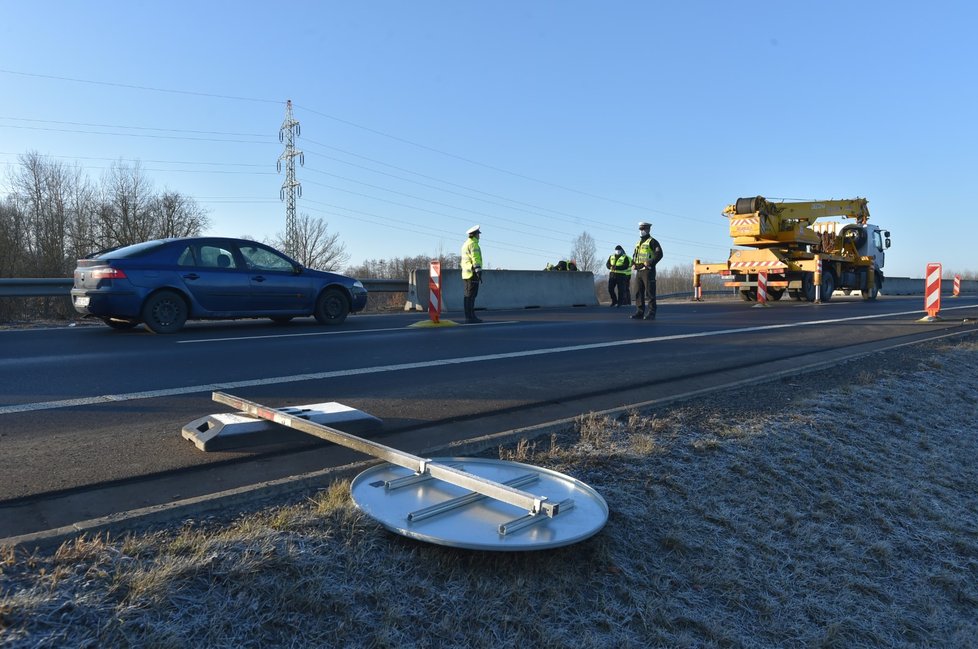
(775, 294)
(794, 294)
(808, 287)
(748, 295)
(828, 286)
(877, 285)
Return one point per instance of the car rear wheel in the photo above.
(121, 325)
(332, 307)
(164, 312)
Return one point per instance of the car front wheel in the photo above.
(164, 312)
(332, 307)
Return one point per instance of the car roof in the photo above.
(137, 248)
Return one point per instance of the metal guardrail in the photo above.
(61, 287)
(36, 287)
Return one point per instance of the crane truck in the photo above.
(798, 254)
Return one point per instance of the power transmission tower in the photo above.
(291, 188)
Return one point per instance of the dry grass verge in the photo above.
(850, 521)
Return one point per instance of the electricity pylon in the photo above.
(291, 188)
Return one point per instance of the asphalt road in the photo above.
(87, 408)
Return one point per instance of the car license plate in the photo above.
(81, 301)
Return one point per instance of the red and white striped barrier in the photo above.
(762, 287)
(932, 290)
(434, 291)
(957, 286)
(757, 264)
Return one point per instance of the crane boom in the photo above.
(759, 223)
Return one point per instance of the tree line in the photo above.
(53, 215)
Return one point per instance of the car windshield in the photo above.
(259, 258)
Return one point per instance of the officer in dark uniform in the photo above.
(647, 254)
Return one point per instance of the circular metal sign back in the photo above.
(439, 512)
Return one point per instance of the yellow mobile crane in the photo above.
(798, 254)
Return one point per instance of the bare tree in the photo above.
(176, 215)
(84, 233)
(125, 211)
(53, 215)
(585, 252)
(315, 246)
(49, 197)
(12, 233)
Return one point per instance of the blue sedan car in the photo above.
(166, 282)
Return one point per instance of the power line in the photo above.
(361, 127)
(142, 135)
(604, 226)
(486, 166)
(136, 87)
(139, 128)
(258, 200)
(386, 220)
(339, 120)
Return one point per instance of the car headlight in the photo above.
(357, 284)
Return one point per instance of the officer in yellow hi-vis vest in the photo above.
(619, 267)
(471, 272)
(647, 254)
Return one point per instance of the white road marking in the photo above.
(317, 333)
(319, 376)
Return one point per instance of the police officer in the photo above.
(471, 272)
(647, 254)
(619, 266)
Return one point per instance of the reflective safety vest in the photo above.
(646, 253)
(620, 264)
(471, 258)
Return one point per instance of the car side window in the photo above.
(210, 256)
(186, 257)
(259, 258)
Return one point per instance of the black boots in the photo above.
(470, 318)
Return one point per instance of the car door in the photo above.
(277, 283)
(214, 277)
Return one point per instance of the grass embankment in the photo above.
(847, 519)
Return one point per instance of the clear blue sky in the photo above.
(537, 120)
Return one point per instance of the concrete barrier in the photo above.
(903, 286)
(506, 289)
(913, 286)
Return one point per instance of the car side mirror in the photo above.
(297, 269)
(887, 242)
